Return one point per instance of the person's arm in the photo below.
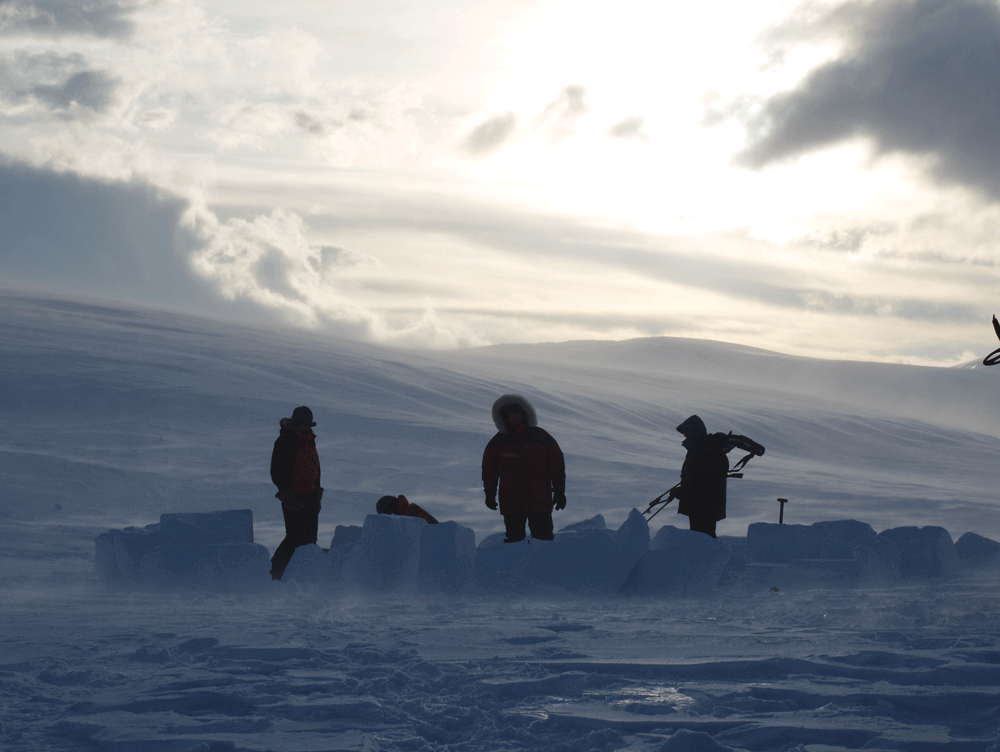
(491, 472)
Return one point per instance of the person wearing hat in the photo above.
(404, 508)
(702, 495)
(295, 471)
(527, 465)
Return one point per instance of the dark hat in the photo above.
(385, 505)
(303, 416)
(693, 426)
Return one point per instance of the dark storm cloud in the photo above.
(915, 76)
(629, 128)
(92, 90)
(117, 239)
(309, 124)
(56, 18)
(63, 84)
(491, 134)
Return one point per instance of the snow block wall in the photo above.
(846, 551)
(211, 549)
(583, 558)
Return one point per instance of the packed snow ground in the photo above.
(119, 415)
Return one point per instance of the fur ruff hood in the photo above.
(513, 399)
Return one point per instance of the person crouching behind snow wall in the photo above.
(527, 464)
(404, 508)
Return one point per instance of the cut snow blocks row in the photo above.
(403, 554)
(391, 553)
(210, 549)
(846, 551)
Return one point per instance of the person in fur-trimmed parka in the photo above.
(527, 464)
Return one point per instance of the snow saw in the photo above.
(742, 442)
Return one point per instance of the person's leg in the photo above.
(702, 524)
(301, 528)
(283, 553)
(514, 523)
(309, 524)
(541, 526)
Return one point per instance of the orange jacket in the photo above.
(407, 509)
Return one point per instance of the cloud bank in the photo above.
(57, 18)
(913, 76)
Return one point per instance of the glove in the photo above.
(491, 502)
(559, 498)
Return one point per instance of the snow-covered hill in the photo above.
(115, 415)
(126, 413)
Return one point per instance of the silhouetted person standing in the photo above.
(295, 471)
(527, 465)
(703, 476)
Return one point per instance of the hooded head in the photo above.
(513, 402)
(693, 427)
(386, 505)
(303, 416)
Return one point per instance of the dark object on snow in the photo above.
(994, 357)
(527, 465)
(781, 511)
(404, 508)
(702, 489)
(295, 470)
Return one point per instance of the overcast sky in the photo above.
(816, 178)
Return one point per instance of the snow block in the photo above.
(119, 554)
(769, 542)
(975, 550)
(924, 551)
(225, 566)
(388, 555)
(678, 562)
(585, 558)
(594, 523)
(878, 562)
(499, 565)
(309, 564)
(447, 557)
(229, 526)
(345, 538)
(631, 544)
(838, 538)
(346, 535)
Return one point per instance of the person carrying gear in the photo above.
(527, 465)
(295, 471)
(702, 490)
(399, 505)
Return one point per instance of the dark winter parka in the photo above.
(528, 466)
(703, 475)
(294, 460)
